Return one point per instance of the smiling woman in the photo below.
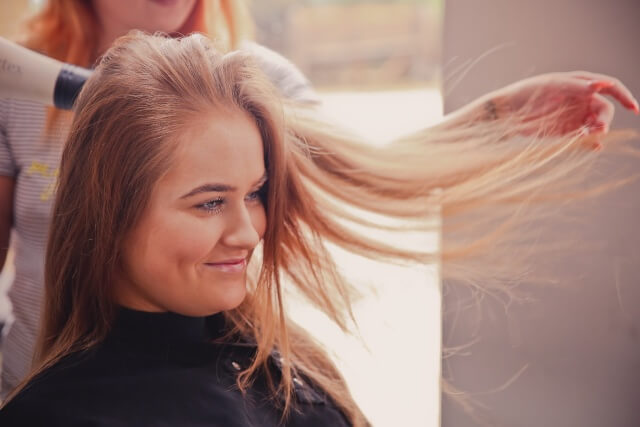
(189, 251)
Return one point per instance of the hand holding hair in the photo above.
(549, 105)
(575, 100)
(29, 75)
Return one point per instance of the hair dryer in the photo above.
(25, 74)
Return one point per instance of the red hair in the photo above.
(65, 30)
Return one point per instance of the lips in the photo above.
(229, 266)
(165, 2)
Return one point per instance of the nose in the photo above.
(241, 232)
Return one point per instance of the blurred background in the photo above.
(384, 68)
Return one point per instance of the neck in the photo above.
(108, 34)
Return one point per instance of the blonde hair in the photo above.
(143, 93)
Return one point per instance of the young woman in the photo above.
(188, 192)
(32, 135)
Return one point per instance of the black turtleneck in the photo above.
(162, 369)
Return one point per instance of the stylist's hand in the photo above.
(571, 101)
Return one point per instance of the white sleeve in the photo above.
(7, 162)
(291, 82)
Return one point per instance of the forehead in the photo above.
(221, 146)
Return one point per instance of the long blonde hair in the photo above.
(142, 94)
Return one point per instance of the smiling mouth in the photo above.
(233, 267)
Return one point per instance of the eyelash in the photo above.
(214, 206)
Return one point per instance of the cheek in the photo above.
(176, 242)
(191, 240)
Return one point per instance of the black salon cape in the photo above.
(161, 369)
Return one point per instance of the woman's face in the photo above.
(189, 251)
(121, 16)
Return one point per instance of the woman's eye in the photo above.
(212, 206)
(254, 196)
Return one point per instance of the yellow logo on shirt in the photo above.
(46, 171)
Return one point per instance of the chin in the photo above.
(232, 301)
(227, 297)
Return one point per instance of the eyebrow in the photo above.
(221, 188)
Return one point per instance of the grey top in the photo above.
(32, 159)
